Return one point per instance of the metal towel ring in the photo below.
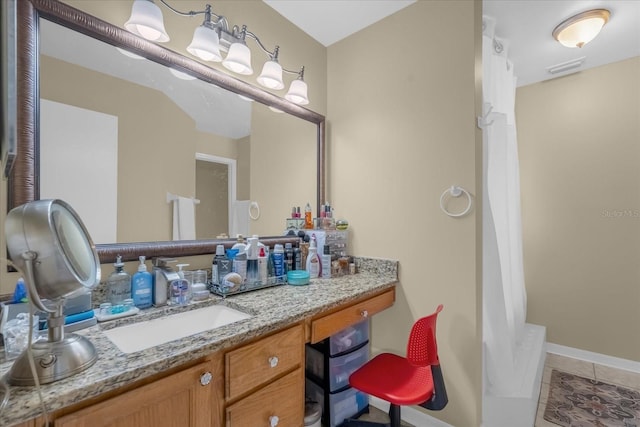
(455, 191)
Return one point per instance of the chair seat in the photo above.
(394, 379)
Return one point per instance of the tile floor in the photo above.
(583, 369)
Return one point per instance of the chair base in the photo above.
(394, 420)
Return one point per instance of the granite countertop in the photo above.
(271, 309)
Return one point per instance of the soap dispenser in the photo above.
(118, 283)
(142, 285)
(179, 289)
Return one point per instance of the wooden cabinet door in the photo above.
(179, 400)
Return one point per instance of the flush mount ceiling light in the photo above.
(581, 28)
(214, 36)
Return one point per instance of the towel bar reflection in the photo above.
(172, 197)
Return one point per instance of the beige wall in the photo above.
(401, 131)
(153, 159)
(579, 142)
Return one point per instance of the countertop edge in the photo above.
(133, 368)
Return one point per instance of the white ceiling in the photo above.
(213, 109)
(526, 25)
(329, 21)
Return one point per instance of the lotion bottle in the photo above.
(141, 286)
(314, 265)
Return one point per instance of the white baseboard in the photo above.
(410, 414)
(589, 356)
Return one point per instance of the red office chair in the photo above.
(414, 380)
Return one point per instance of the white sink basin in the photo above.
(142, 335)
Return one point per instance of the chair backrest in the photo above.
(422, 348)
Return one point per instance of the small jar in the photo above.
(312, 414)
(105, 309)
(344, 265)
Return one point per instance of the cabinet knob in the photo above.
(274, 420)
(364, 313)
(273, 362)
(205, 379)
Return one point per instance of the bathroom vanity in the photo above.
(246, 373)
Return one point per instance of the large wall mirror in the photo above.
(168, 125)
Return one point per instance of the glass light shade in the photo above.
(297, 92)
(146, 21)
(238, 59)
(582, 28)
(205, 44)
(271, 76)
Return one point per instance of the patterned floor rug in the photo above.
(580, 402)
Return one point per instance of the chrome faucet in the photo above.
(163, 274)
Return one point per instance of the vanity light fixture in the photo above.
(581, 28)
(214, 36)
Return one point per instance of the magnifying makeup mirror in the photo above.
(47, 241)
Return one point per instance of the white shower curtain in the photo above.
(504, 294)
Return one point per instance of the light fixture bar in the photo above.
(214, 35)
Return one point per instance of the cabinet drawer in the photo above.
(328, 325)
(283, 399)
(252, 365)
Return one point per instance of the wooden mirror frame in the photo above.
(23, 184)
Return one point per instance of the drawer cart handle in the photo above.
(273, 362)
(364, 313)
(274, 420)
(205, 379)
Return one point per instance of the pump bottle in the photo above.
(142, 286)
(118, 283)
(314, 265)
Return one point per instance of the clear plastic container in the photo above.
(345, 404)
(340, 368)
(16, 334)
(348, 338)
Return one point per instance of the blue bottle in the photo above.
(141, 286)
(279, 263)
